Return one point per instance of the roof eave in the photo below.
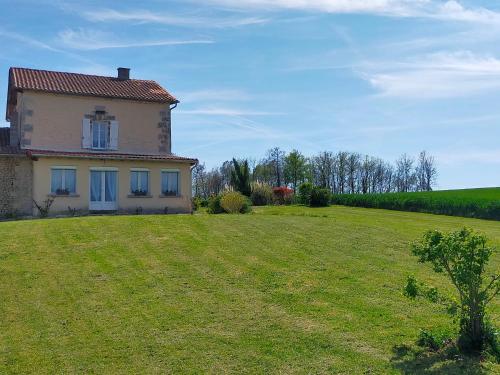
(36, 154)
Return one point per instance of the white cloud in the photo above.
(145, 16)
(436, 76)
(225, 111)
(449, 10)
(211, 95)
(93, 40)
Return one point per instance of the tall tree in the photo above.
(199, 180)
(352, 169)
(240, 177)
(275, 157)
(294, 169)
(405, 176)
(425, 172)
(323, 165)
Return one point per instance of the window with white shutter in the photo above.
(113, 138)
(86, 134)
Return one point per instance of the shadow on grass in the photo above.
(447, 361)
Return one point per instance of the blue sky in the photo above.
(381, 77)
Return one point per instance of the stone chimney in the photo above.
(123, 73)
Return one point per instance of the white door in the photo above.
(103, 190)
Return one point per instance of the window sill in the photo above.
(170, 196)
(139, 196)
(63, 195)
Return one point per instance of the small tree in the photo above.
(462, 256)
(240, 177)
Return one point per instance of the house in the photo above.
(93, 143)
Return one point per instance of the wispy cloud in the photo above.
(225, 111)
(449, 10)
(171, 19)
(439, 75)
(83, 39)
(28, 40)
(211, 95)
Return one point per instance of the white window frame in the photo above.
(102, 205)
(178, 181)
(107, 125)
(139, 180)
(64, 167)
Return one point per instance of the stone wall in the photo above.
(16, 180)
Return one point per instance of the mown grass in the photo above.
(477, 203)
(283, 290)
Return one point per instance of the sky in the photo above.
(378, 77)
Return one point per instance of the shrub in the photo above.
(44, 207)
(320, 197)
(462, 256)
(282, 195)
(262, 195)
(199, 202)
(214, 206)
(434, 339)
(234, 202)
(305, 193)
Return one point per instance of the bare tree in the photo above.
(323, 165)
(405, 176)
(199, 180)
(352, 168)
(275, 157)
(425, 172)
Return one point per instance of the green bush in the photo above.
(199, 202)
(462, 256)
(262, 195)
(434, 339)
(304, 195)
(320, 197)
(214, 206)
(234, 202)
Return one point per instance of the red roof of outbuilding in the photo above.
(88, 85)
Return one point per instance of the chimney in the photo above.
(123, 73)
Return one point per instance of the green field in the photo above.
(478, 203)
(283, 290)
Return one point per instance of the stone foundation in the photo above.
(16, 181)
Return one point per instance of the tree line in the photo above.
(341, 173)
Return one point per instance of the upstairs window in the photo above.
(170, 183)
(139, 182)
(63, 181)
(101, 135)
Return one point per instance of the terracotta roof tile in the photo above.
(88, 85)
(108, 155)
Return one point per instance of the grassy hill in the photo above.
(479, 203)
(283, 290)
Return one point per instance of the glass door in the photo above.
(103, 190)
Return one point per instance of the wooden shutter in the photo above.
(86, 134)
(113, 135)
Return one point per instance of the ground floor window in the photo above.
(170, 183)
(139, 182)
(63, 181)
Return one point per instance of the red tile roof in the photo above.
(88, 85)
(108, 155)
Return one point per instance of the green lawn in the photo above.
(283, 290)
(481, 203)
